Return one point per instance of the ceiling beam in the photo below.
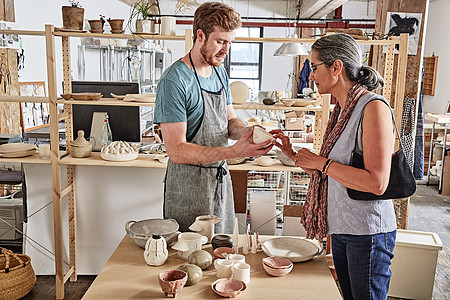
(319, 8)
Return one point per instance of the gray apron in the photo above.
(195, 190)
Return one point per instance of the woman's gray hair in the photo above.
(343, 47)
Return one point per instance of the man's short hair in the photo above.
(212, 14)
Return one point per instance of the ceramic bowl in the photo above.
(260, 135)
(288, 102)
(284, 159)
(222, 240)
(142, 230)
(276, 271)
(194, 273)
(277, 262)
(201, 258)
(264, 161)
(172, 281)
(221, 252)
(294, 249)
(228, 287)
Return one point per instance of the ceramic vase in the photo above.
(156, 253)
(204, 225)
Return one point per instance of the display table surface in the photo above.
(127, 276)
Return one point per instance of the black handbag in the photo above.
(401, 180)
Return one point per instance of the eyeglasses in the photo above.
(314, 67)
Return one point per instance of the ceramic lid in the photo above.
(80, 141)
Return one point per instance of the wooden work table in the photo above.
(127, 276)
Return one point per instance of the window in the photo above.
(244, 61)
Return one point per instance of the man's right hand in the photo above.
(244, 147)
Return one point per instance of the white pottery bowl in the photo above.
(264, 161)
(294, 249)
(260, 135)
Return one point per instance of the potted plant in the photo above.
(144, 12)
(73, 16)
(97, 25)
(116, 25)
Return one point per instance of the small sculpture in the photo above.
(236, 236)
(156, 253)
(204, 225)
(119, 151)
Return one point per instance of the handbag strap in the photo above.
(358, 143)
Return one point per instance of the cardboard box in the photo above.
(414, 264)
(294, 120)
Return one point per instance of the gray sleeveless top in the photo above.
(345, 215)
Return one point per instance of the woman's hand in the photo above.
(305, 159)
(285, 145)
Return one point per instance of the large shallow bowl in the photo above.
(294, 249)
(228, 287)
(141, 231)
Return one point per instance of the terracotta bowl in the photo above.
(221, 251)
(277, 262)
(172, 281)
(228, 287)
(277, 272)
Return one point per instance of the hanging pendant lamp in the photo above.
(291, 49)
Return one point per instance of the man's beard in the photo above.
(208, 56)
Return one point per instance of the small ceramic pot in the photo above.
(156, 253)
(221, 240)
(172, 281)
(194, 273)
(200, 258)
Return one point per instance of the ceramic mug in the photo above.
(241, 271)
(224, 268)
(236, 258)
(189, 242)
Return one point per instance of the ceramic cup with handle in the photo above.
(241, 271)
(236, 258)
(224, 268)
(189, 242)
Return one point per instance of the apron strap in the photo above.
(221, 171)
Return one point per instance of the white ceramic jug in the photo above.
(156, 253)
(204, 225)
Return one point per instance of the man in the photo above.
(193, 108)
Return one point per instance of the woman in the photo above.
(362, 232)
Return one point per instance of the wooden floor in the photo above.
(429, 211)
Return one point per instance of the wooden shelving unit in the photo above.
(429, 75)
(57, 158)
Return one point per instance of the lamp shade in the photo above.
(291, 49)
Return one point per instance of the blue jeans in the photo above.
(362, 264)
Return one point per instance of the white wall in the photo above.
(437, 41)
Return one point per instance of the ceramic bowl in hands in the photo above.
(260, 135)
(284, 159)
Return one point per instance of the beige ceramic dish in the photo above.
(260, 135)
(288, 102)
(228, 287)
(264, 161)
(82, 96)
(18, 154)
(294, 249)
(277, 272)
(16, 147)
(277, 262)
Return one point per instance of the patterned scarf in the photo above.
(314, 217)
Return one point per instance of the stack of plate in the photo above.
(17, 150)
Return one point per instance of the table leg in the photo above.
(431, 153)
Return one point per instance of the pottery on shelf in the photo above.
(156, 253)
(96, 25)
(119, 151)
(194, 273)
(221, 240)
(260, 135)
(201, 258)
(204, 225)
(264, 161)
(172, 281)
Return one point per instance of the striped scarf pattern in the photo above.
(314, 217)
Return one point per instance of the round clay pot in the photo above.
(96, 26)
(172, 281)
(200, 258)
(194, 273)
(222, 240)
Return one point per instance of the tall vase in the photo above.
(168, 25)
(146, 26)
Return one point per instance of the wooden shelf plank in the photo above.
(276, 106)
(146, 161)
(106, 101)
(33, 159)
(7, 98)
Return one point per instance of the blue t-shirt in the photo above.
(178, 97)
